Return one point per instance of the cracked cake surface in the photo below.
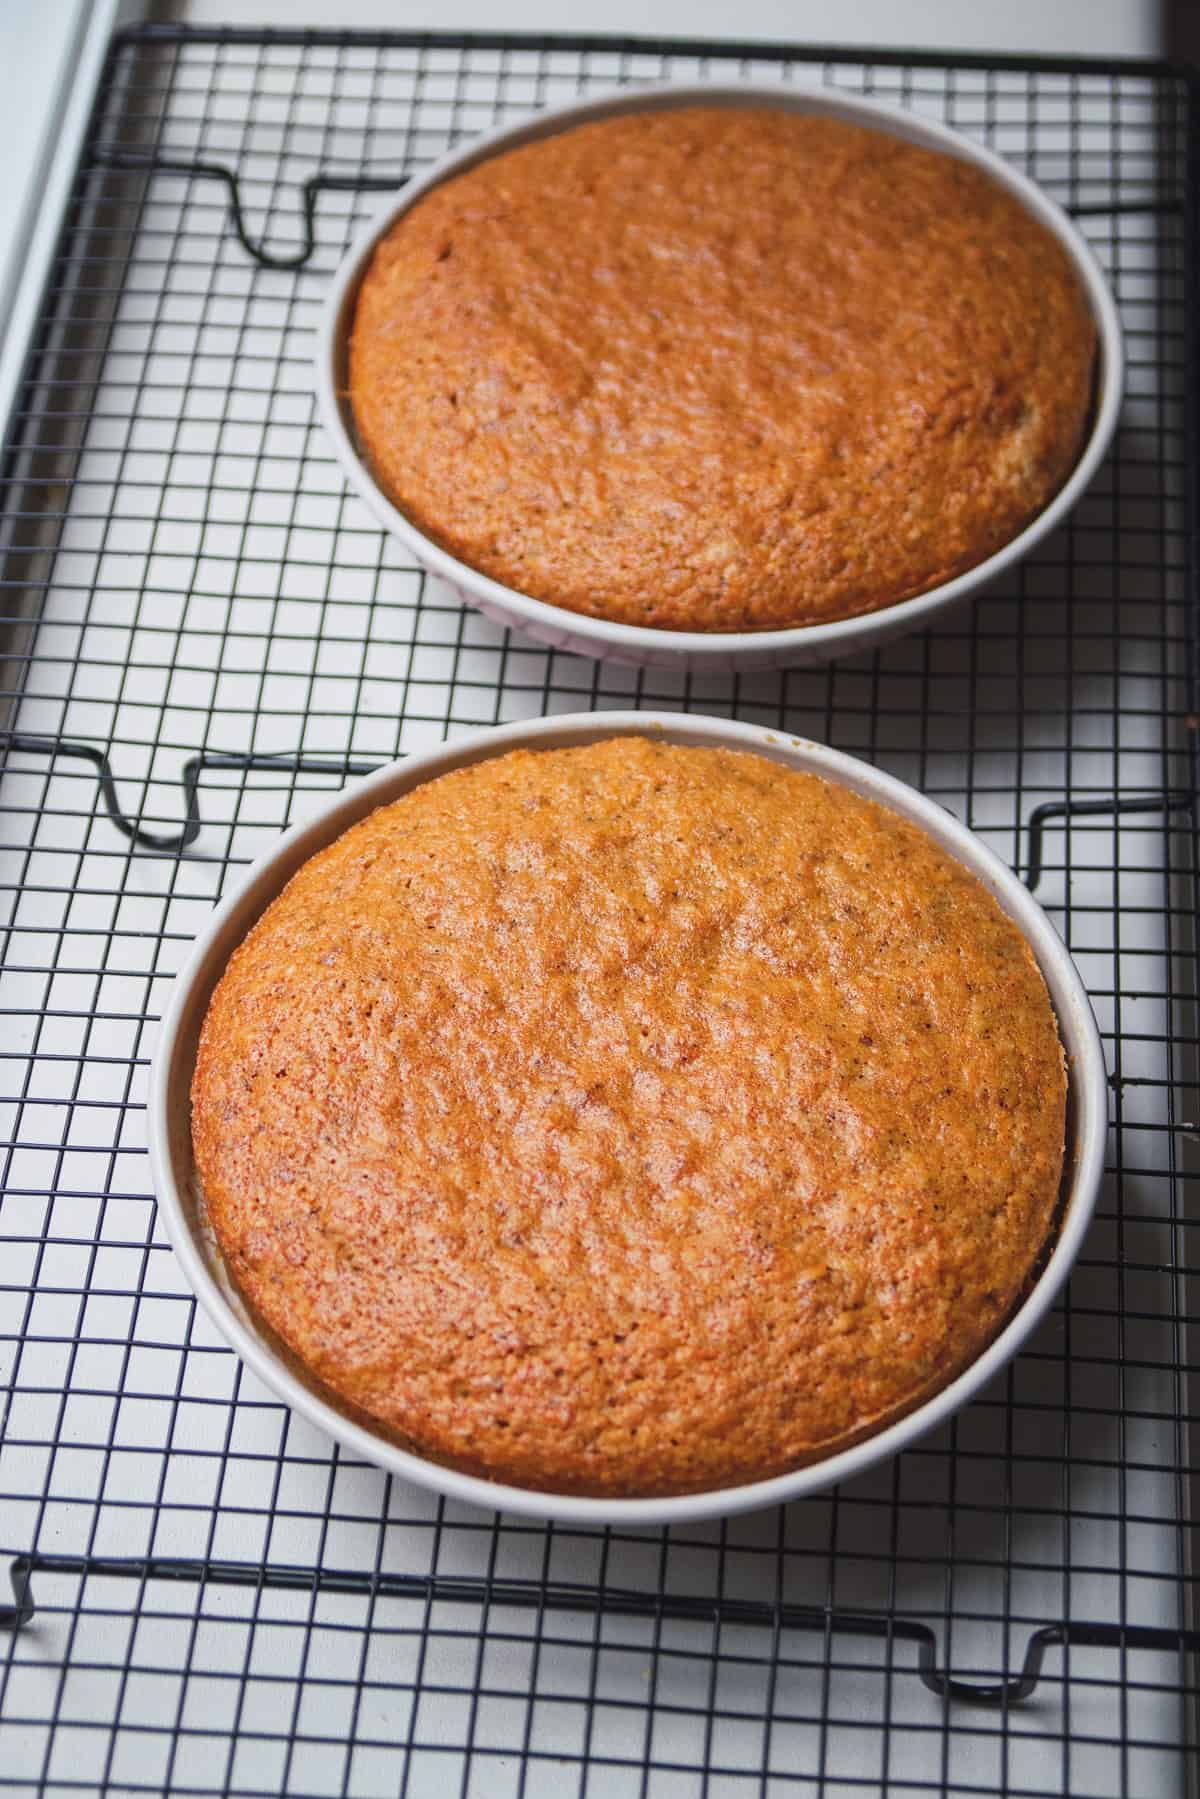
(631, 1119)
(721, 368)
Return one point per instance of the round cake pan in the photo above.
(711, 651)
(170, 1111)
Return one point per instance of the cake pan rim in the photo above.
(600, 637)
(170, 1123)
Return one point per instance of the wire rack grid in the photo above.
(203, 633)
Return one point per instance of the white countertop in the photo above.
(1114, 27)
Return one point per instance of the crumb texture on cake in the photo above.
(631, 1119)
(721, 369)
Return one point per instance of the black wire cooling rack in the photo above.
(204, 633)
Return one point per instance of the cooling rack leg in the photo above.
(552, 1596)
(20, 1613)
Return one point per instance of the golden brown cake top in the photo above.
(721, 368)
(631, 1119)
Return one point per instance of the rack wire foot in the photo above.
(566, 1596)
(176, 842)
(138, 162)
(1111, 806)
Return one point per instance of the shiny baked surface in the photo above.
(721, 368)
(631, 1118)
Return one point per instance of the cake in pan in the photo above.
(631, 1119)
(721, 368)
